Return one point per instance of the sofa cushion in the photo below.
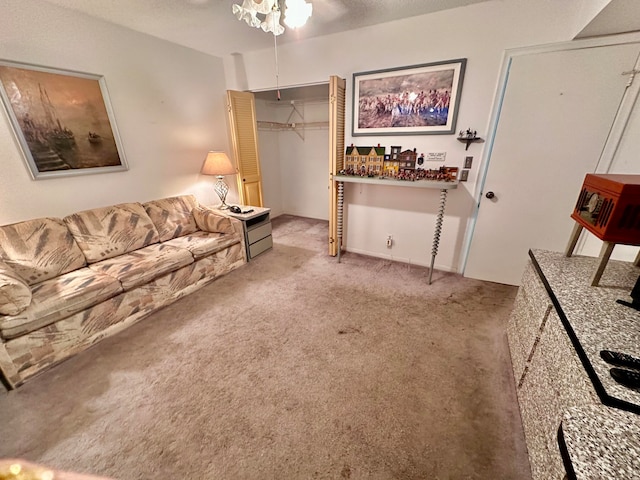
(209, 220)
(39, 249)
(201, 244)
(143, 265)
(58, 298)
(108, 232)
(15, 294)
(172, 216)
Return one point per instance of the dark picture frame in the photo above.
(414, 100)
(62, 120)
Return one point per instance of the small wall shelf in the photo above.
(469, 141)
(391, 182)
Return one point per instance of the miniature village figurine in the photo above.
(373, 162)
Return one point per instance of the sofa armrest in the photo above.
(214, 221)
(15, 294)
(239, 230)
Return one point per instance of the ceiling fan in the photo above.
(265, 14)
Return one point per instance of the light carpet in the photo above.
(291, 367)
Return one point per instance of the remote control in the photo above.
(620, 359)
(628, 378)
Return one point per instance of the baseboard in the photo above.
(409, 261)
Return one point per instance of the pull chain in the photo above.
(275, 44)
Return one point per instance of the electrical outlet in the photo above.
(464, 175)
(389, 241)
(467, 162)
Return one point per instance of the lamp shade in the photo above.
(217, 163)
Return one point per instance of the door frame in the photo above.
(613, 139)
(337, 110)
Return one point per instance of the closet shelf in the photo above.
(266, 125)
(295, 122)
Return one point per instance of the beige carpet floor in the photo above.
(291, 367)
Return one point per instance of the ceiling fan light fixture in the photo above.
(272, 22)
(269, 10)
(246, 13)
(297, 12)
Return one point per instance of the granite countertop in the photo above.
(599, 442)
(592, 318)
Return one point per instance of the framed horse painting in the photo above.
(415, 100)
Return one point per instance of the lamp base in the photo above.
(221, 189)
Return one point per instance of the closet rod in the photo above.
(291, 126)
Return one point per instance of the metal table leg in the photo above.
(436, 233)
(340, 211)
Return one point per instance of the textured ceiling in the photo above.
(619, 16)
(210, 27)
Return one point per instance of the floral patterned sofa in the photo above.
(66, 284)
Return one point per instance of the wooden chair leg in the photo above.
(573, 239)
(605, 253)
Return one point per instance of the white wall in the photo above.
(269, 151)
(480, 33)
(168, 103)
(613, 17)
(627, 156)
(588, 10)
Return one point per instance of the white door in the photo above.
(557, 110)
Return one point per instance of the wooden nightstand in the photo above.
(257, 229)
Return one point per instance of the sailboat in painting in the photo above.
(47, 137)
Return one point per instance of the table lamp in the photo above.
(218, 164)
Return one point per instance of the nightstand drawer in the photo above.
(259, 233)
(260, 246)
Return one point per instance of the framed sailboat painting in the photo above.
(62, 120)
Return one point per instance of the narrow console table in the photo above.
(443, 186)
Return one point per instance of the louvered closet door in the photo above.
(244, 138)
(337, 88)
